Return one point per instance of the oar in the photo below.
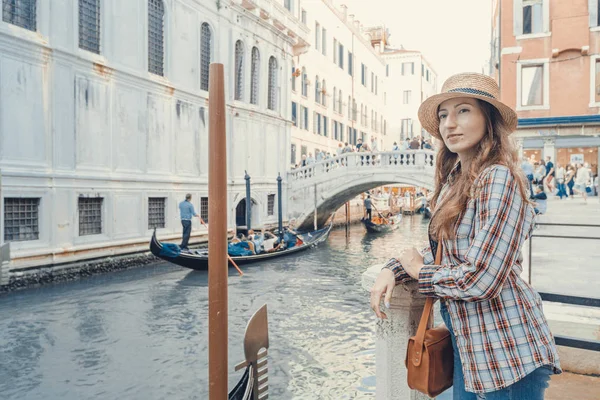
(386, 221)
(228, 256)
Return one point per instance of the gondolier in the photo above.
(186, 212)
(368, 206)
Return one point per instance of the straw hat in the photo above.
(476, 86)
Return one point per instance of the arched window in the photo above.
(304, 83)
(272, 100)
(340, 105)
(205, 55)
(156, 37)
(334, 99)
(20, 13)
(254, 76)
(89, 25)
(324, 93)
(239, 70)
(317, 89)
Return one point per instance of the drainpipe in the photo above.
(248, 202)
(280, 207)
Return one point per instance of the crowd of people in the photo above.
(568, 181)
(361, 146)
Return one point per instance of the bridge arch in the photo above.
(331, 183)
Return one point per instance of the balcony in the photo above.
(275, 13)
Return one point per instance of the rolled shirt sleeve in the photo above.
(399, 273)
(503, 226)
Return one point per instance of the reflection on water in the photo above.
(143, 334)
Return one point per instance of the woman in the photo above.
(540, 172)
(582, 179)
(560, 180)
(502, 343)
(570, 179)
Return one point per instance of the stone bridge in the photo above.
(328, 184)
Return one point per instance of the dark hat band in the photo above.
(472, 91)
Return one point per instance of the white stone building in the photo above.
(338, 85)
(413, 79)
(103, 118)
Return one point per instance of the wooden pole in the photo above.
(217, 236)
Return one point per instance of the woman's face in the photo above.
(462, 125)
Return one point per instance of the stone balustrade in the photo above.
(392, 337)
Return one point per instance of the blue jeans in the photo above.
(562, 190)
(531, 387)
(187, 230)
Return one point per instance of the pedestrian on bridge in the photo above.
(481, 216)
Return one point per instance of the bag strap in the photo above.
(420, 336)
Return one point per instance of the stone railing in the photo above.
(392, 337)
(366, 161)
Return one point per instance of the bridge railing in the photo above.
(365, 160)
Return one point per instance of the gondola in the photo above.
(382, 225)
(427, 213)
(253, 385)
(198, 260)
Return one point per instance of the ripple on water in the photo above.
(142, 333)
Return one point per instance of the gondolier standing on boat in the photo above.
(368, 206)
(186, 212)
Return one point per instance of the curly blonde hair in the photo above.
(496, 147)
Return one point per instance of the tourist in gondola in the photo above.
(186, 213)
(503, 348)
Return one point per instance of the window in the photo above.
(406, 128)
(387, 70)
(354, 110)
(597, 81)
(272, 100)
(293, 79)
(335, 130)
(271, 204)
(205, 55)
(317, 122)
(408, 68)
(303, 150)
(317, 89)
(293, 157)
(325, 126)
(90, 215)
(533, 16)
(334, 99)
(406, 96)
(350, 64)
(303, 16)
(288, 4)
(324, 42)
(317, 36)
(363, 74)
(341, 56)
(304, 83)
(423, 70)
(324, 93)
(532, 85)
(89, 25)
(254, 75)
(294, 113)
(156, 36)
(20, 13)
(341, 132)
(335, 50)
(156, 212)
(204, 209)
(304, 117)
(340, 105)
(372, 82)
(427, 75)
(239, 70)
(21, 219)
(376, 84)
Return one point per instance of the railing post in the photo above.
(392, 337)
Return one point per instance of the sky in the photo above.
(454, 35)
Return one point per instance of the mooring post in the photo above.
(279, 207)
(248, 202)
(217, 236)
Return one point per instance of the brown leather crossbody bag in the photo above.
(429, 356)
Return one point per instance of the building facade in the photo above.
(413, 79)
(546, 57)
(339, 87)
(104, 120)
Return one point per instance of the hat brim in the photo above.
(428, 111)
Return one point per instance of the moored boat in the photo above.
(380, 224)
(198, 259)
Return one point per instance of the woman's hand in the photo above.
(412, 262)
(383, 285)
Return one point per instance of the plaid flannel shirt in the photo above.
(497, 317)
